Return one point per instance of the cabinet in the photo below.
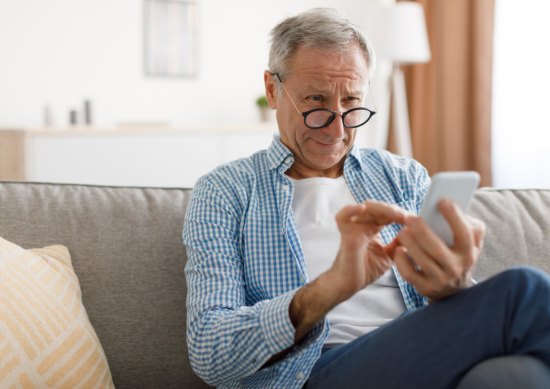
(130, 157)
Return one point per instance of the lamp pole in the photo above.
(404, 41)
(400, 114)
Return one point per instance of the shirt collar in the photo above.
(278, 155)
(354, 158)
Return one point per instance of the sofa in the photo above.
(127, 251)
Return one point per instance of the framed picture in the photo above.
(171, 28)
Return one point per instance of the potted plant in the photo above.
(265, 110)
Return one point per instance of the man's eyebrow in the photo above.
(356, 93)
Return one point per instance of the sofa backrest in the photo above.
(127, 251)
(518, 229)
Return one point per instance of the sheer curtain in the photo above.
(521, 94)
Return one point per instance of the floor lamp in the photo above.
(405, 41)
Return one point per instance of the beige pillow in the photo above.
(46, 339)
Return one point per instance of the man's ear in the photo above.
(270, 90)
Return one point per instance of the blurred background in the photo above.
(159, 92)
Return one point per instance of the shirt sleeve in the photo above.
(227, 338)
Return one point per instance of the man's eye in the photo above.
(315, 98)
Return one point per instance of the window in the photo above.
(521, 95)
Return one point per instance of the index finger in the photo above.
(463, 233)
(376, 212)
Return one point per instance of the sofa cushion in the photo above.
(128, 254)
(46, 339)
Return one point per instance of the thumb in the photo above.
(390, 247)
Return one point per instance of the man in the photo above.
(281, 296)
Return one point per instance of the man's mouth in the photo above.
(325, 144)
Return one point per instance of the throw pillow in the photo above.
(46, 339)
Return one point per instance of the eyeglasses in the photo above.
(322, 117)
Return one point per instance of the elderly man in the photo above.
(300, 272)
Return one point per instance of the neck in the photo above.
(299, 172)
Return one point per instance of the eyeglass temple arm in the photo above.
(283, 85)
(372, 97)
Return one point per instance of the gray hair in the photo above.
(320, 28)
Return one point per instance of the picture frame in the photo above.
(171, 38)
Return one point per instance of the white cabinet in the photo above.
(137, 157)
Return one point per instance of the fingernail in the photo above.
(447, 204)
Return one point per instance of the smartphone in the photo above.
(456, 186)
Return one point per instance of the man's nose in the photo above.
(336, 128)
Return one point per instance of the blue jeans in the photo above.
(436, 346)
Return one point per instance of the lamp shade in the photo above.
(404, 37)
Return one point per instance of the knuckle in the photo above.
(439, 252)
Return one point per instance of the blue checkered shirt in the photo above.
(245, 262)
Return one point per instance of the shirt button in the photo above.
(300, 376)
(288, 160)
(285, 187)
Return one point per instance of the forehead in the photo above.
(320, 67)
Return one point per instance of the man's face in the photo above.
(319, 80)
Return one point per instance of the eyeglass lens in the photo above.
(352, 119)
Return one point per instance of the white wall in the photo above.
(60, 52)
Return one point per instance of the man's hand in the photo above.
(362, 258)
(440, 270)
(360, 261)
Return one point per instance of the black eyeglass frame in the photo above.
(330, 120)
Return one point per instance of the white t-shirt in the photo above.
(315, 203)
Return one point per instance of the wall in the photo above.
(60, 52)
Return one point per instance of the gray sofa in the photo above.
(127, 251)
